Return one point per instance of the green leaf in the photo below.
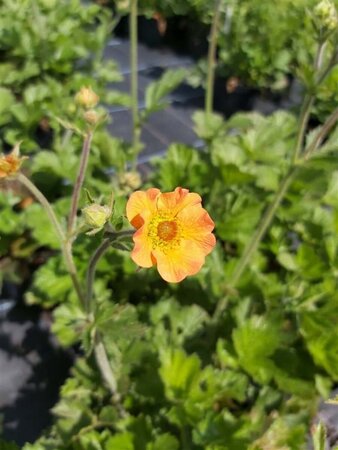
(255, 342)
(183, 166)
(184, 321)
(157, 90)
(179, 373)
(118, 322)
(208, 126)
(319, 437)
(6, 100)
(121, 441)
(70, 322)
(319, 328)
(51, 284)
(164, 442)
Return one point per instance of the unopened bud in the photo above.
(96, 216)
(131, 180)
(86, 98)
(326, 15)
(91, 117)
(10, 164)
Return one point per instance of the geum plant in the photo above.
(173, 232)
(235, 357)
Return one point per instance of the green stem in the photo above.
(296, 160)
(95, 258)
(332, 62)
(303, 122)
(209, 95)
(110, 236)
(323, 132)
(65, 247)
(133, 30)
(100, 353)
(306, 106)
(106, 371)
(254, 242)
(79, 182)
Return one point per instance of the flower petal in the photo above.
(141, 253)
(195, 222)
(176, 264)
(141, 205)
(177, 200)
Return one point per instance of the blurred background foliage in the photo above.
(252, 381)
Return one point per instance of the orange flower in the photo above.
(11, 163)
(173, 232)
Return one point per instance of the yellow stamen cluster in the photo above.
(165, 232)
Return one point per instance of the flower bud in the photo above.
(91, 117)
(11, 163)
(96, 216)
(326, 15)
(131, 180)
(86, 98)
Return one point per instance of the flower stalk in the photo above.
(209, 95)
(79, 182)
(298, 158)
(65, 247)
(95, 258)
(133, 29)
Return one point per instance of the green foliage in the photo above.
(157, 90)
(263, 40)
(42, 46)
(254, 382)
(319, 437)
(253, 379)
(7, 445)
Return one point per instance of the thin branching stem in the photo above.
(209, 95)
(79, 182)
(307, 105)
(298, 158)
(322, 133)
(100, 352)
(133, 30)
(95, 258)
(254, 242)
(106, 371)
(65, 247)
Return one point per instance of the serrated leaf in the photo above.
(255, 342)
(207, 126)
(179, 372)
(70, 322)
(159, 89)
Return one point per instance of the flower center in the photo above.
(167, 230)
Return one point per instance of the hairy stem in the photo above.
(100, 353)
(95, 258)
(133, 30)
(79, 182)
(106, 371)
(308, 103)
(65, 247)
(303, 122)
(321, 135)
(209, 95)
